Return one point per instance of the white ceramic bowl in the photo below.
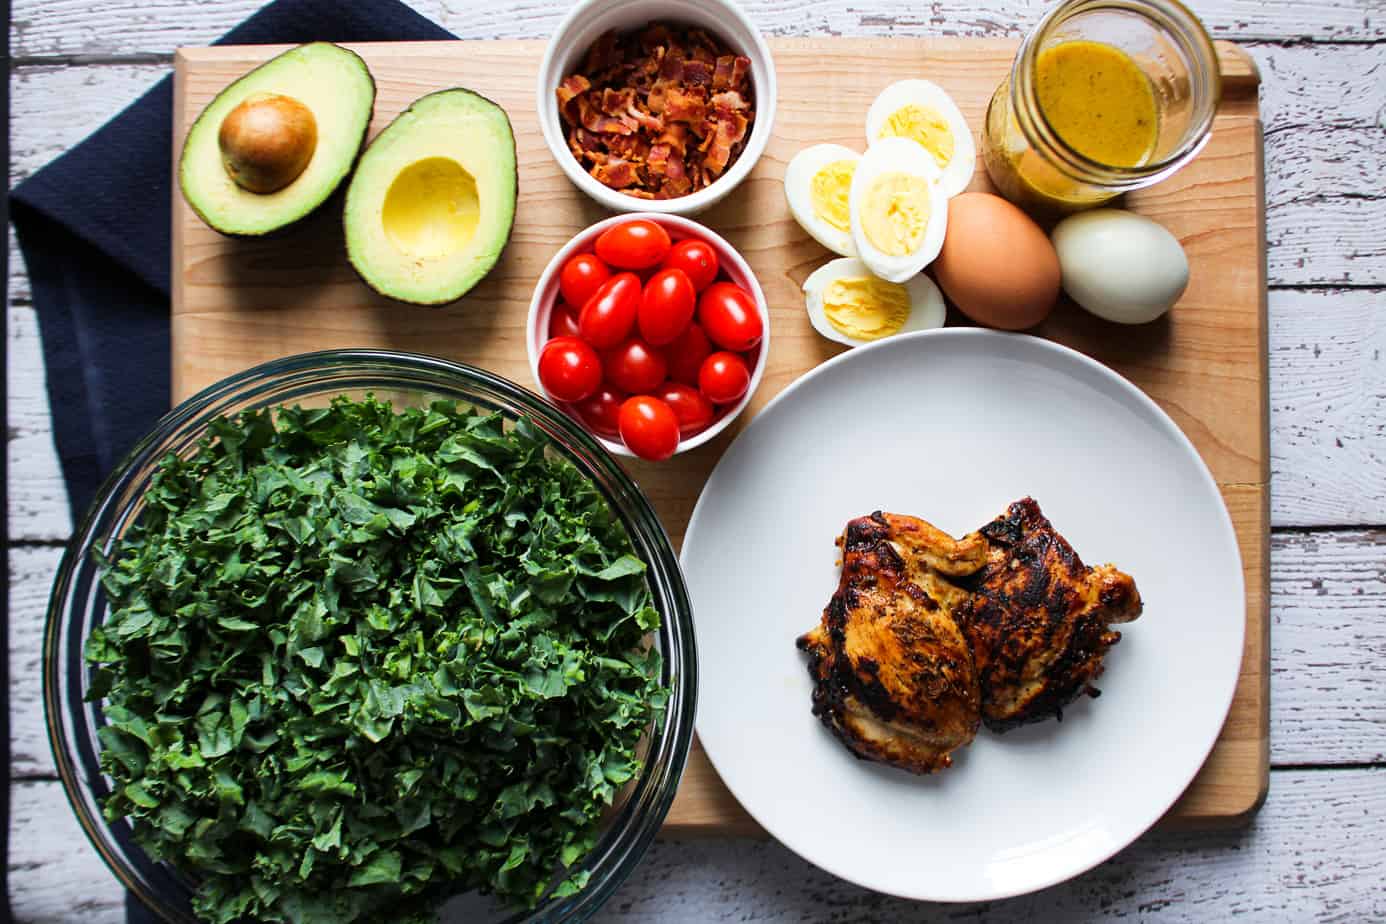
(733, 266)
(587, 20)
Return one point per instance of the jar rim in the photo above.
(1172, 17)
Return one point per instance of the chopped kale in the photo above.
(358, 661)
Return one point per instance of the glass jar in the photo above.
(1034, 167)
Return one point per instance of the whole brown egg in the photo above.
(996, 264)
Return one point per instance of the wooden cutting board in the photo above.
(237, 303)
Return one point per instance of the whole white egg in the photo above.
(1119, 265)
(922, 112)
(817, 184)
(898, 215)
(845, 301)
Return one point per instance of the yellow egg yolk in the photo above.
(924, 127)
(895, 213)
(866, 308)
(829, 194)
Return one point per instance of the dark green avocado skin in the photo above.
(332, 199)
(509, 228)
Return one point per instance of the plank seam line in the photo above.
(163, 57)
(17, 543)
(79, 60)
(1314, 529)
(1344, 286)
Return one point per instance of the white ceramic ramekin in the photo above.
(733, 266)
(587, 20)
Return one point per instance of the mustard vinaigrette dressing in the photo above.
(1099, 102)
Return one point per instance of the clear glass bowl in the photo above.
(77, 604)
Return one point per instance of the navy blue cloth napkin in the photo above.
(94, 228)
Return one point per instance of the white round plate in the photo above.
(952, 425)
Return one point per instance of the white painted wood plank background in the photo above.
(1317, 849)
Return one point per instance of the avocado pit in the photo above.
(267, 141)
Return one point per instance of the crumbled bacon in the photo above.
(658, 113)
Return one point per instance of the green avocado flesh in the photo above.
(335, 86)
(431, 205)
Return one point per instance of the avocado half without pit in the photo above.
(432, 202)
(274, 145)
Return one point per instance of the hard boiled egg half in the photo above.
(848, 304)
(898, 216)
(920, 111)
(817, 184)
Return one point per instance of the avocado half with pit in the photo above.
(432, 202)
(274, 145)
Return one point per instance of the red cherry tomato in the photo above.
(649, 428)
(562, 322)
(693, 410)
(580, 278)
(724, 378)
(667, 306)
(729, 316)
(635, 367)
(686, 354)
(601, 410)
(569, 369)
(697, 259)
(633, 245)
(608, 316)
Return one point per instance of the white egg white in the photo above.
(926, 302)
(957, 172)
(798, 192)
(898, 155)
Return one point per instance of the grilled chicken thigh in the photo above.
(1038, 619)
(893, 673)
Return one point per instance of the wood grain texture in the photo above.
(237, 303)
(38, 507)
(41, 28)
(1313, 853)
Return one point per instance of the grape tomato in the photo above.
(666, 306)
(729, 316)
(697, 259)
(562, 322)
(580, 278)
(608, 316)
(569, 369)
(601, 410)
(686, 354)
(724, 378)
(692, 409)
(633, 245)
(649, 428)
(635, 367)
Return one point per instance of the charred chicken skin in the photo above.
(893, 673)
(1039, 620)
(927, 636)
